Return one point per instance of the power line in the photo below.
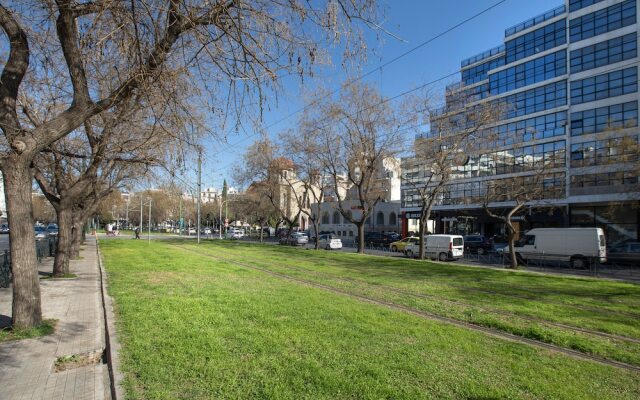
(379, 68)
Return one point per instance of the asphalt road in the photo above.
(4, 243)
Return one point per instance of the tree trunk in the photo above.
(77, 238)
(421, 241)
(315, 229)
(26, 308)
(360, 226)
(65, 226)
(512, 251)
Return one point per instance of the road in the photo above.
(4, 243)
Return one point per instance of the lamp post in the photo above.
(225, 217)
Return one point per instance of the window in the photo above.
(602, 21)
(541, 39)
(604, 152)
(535, 100)
(575, 5)
(616, 83)
(479, 72)
(618, 180)
(393, 219)
(604, 53)
(325, 217)
(541, 127)
(380, 218)
(336, 217)
(604, 118)
(534, 71)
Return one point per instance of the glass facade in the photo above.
(525, 74)
(544, 38)
(603, 86)
(604, 152)
(479, 72)
(575, 5)
(604, 118)
(603, 21)
(604, 53)
(539, 99)
(556, 131)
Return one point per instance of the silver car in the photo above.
(295, 239)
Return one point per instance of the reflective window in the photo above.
(575, 5)
(541, 39)
(604, 53)
(479, 72)
(535, 100)
(604, 152)
(534, 71)
(603, 86)
(604, 118)
(617, 178)
(602, 21)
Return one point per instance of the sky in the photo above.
(412, 21)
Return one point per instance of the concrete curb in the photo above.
(112, 346)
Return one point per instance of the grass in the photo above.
(193, 327)
(46, 328)
(525, 304)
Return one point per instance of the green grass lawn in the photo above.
(193, 327)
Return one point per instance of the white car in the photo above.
(329, 242)
(207, 231)
(234, 234)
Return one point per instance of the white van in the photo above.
(579, 246)
(441, 247)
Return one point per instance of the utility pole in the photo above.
(141, 205)
(180, 218)
(149, 231)
(127, 219)
(199, 189)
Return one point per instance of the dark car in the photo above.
(378, 239)
(4, 228)
(478, 244)
(627, 253)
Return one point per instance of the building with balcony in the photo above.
(569, 80)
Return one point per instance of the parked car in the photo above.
(295, 239)
(400, 245)
(41, 232)
(578, 246)
(4, 228)
(234, 234)
(379, 239)
(627, 253)
(441, 247)
(478, 244)
(329, 241)
(52, 229)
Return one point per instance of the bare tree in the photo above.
(441, 154)
(241, 45)
(310, 179)
(357, 135)
(514, 195)
(273, 177)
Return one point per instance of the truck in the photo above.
(578, 246)
(441, 247)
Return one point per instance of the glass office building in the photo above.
(570, 80)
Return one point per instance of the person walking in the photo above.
(137, 232)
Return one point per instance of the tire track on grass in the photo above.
(428, 315)
(455, 302)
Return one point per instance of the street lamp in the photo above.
(225, 217)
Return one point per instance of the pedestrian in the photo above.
(137, 232)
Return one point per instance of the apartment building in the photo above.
(569, 79)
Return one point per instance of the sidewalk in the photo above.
(27, 366)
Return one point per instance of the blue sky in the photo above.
(414, 21)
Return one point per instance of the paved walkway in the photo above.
(26, 366)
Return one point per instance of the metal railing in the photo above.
(5, 270)
(44, 248)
